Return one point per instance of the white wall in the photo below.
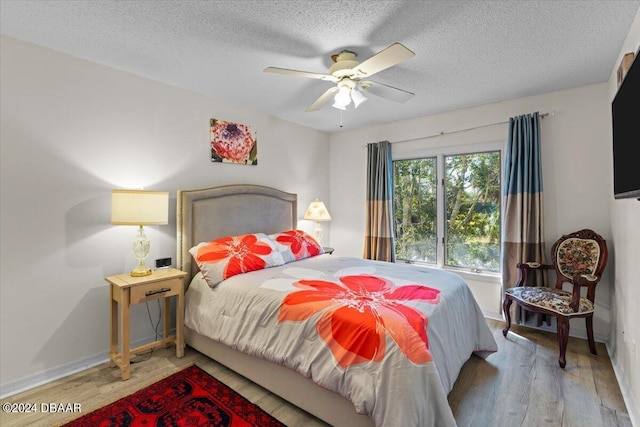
(71, 131)
(624, 343)
(577, 176)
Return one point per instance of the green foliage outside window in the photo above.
(414, 196)
(472, 210)
(472, 206)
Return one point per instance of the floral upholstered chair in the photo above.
(578, 259)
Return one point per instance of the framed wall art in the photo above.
(626, 62)
(233, 143)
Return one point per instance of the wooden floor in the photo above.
(520, 385)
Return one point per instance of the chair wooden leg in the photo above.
(563, 339)
(506, 308)
(592, 343)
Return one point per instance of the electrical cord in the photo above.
(141, 357)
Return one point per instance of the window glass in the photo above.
(467, 211)
(415, 209)
(472, 210)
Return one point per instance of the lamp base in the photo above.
(141, 270)
(317, 232)
(141, 250)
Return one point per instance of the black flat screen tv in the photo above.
(625, 110)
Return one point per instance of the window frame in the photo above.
(440, 153)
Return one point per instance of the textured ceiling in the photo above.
(467, 52)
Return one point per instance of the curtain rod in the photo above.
(543, 115)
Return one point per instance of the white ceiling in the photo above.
(467, 52)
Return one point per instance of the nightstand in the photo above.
(128, 290)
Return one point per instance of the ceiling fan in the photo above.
(349, 75)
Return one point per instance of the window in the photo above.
(463, 213)
(415, 207)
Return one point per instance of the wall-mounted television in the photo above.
(625, 110)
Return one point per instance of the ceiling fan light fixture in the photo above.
(338, 106)
(358, 98)
(348, 73)
(342, 98)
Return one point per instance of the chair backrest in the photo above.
(575, 254)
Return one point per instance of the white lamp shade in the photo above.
(342, 98)
(317, 211)
(138, 207)
(358, 98)
(338, 106)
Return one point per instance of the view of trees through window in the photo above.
(414, 205)
(471, 216)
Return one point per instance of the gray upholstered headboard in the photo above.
(211, 213)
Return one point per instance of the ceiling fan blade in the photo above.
(297, 73)
(393, 55)
(324, 99)
(386, 91)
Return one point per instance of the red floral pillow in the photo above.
(296, 244)
(229, 256)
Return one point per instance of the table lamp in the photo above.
(138, 207)
(317, 212)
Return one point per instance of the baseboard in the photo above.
(573, 332)
(35, 380)
(625, 389)
(493, 316)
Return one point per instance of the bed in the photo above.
(341, 387)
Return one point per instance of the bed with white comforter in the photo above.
(390, 338)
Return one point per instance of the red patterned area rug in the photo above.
(188, 398)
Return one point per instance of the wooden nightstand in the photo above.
(128, 290)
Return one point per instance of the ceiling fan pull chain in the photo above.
(340, 118)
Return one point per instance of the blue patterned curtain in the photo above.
(378, 238)
(523, 217)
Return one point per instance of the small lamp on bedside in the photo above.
(317, 212)
(137, 207)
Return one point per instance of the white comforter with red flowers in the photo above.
(390, 337)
